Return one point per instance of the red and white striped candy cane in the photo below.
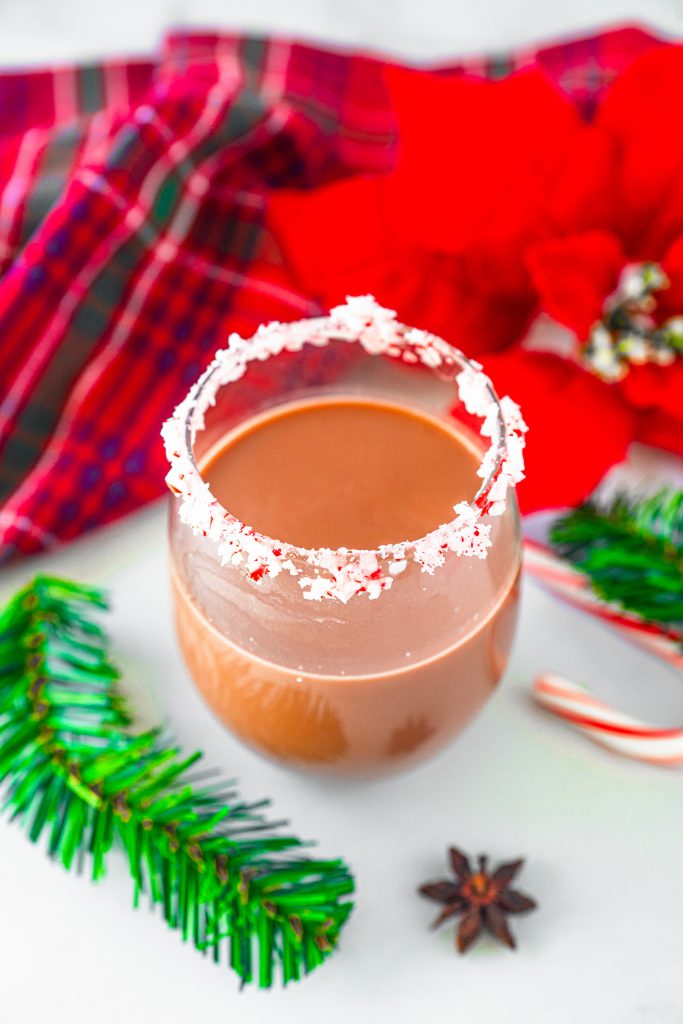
(574, 587)
(606, 725)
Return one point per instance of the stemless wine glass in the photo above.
(348, 662)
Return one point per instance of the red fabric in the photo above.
(134, 235)
(131, 226)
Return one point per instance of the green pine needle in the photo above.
(632, 552)
(223, 876)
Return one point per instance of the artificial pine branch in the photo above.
(632, 551)
(221, 874)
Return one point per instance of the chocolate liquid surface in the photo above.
(342, 472)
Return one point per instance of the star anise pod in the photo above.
(483, 898)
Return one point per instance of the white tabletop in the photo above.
(37, 30)
(604, 836)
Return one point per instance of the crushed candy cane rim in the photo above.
(346, 572)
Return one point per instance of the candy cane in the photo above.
(574, 587)
(606, 725)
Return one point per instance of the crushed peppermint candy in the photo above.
(346, 573)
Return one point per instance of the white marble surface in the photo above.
(603, 836)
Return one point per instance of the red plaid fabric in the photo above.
(132, 241)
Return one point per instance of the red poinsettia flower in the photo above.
(505, 204)
(575, 273)
(441, 238)
(577, 426)
(343, 239)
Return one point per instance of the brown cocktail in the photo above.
(344, 568)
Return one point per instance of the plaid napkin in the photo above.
(132, 241)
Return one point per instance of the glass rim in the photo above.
(352, 570)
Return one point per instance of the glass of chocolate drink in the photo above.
(345, 542)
